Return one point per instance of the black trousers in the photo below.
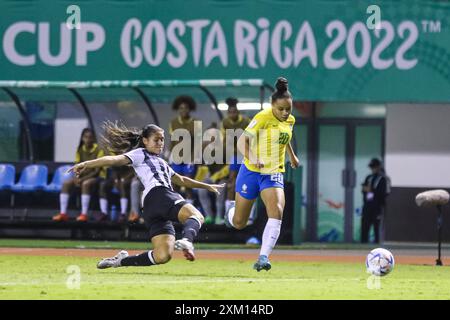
(371, 217)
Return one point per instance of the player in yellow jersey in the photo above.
(264, 144)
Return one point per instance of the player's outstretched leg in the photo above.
(192, 221)
(273, 199)
(113, 262)
(163, 245)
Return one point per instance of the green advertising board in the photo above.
(329, 50)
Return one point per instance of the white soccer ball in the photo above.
(380, 262)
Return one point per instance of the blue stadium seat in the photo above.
(33, 178)
(59, 177)
(7, 176)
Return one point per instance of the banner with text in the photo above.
(344, 50)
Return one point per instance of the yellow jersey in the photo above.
(85, 154)
(269, 140)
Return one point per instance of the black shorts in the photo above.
(161, 207)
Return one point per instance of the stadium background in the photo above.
(357, 94)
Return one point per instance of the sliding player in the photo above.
(162, 205)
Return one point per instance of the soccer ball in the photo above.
(380, 262)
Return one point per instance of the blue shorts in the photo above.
(235, 163)
(249, 183)
(184, 169)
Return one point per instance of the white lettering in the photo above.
(131, 31)
(156, 28)
(400, 61)
(65, 45)
(358, 61)
(176, 27)
(377, 61)
(216, 34)
(282, 32)
(328, 60)
(9, 40)
(244, 34)
(263, 40)
(197, 26)
(83, 45)
(305, 36)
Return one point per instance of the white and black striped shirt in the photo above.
(151, 169)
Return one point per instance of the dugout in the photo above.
(43, 121)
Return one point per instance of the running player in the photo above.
(162, 205)
(263, 145)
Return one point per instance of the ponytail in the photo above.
(282, 91)
(120, 139)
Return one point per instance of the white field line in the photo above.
(250, 280)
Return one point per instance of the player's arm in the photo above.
(244, 147)
(295, 162)
(91, 174)
(106, 161)
(187, 182)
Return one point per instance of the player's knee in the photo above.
(199, 217)
(86, 185)
(162, 257)
(239, 223)
(277, 211)
(67, 185)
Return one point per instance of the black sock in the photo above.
(190, 229)
(138, 260)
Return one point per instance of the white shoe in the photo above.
(187, 247)
(113, 262)
(229, 204)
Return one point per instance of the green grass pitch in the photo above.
(42, 277)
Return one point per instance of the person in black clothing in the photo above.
(375, 190)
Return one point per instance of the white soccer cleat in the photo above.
(113, 262)
(187, 247)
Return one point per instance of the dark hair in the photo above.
(282, 91)
(232, 102)
(120, 139)
(85, 130)
(375, 163)
(184, 99)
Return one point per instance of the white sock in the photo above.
(85, 199)
(270, 236)
(229, 204)
(231, 215)
(63, 202)
(103, 205)
(123, 205)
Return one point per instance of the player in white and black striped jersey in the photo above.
(161, 204)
